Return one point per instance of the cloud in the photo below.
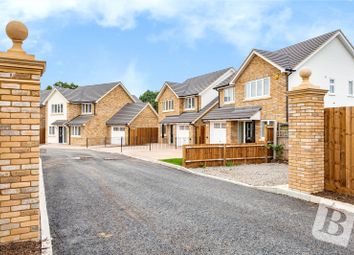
(243, 24)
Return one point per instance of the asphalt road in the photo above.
(101, 203)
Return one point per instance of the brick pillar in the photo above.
(306, 136)
(19, 139)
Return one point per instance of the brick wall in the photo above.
(147, 118)
(168, 95)
(306, 137)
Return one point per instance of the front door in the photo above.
(250, 132)
(171, 134)
(61, 135)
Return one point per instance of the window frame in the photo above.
(75, 131)
(253, 87)
(167, 105)
(229, 96)
(332, 85)
(189, 103)
(351, 88)
(57, 108)
(84, 108)
(262, 130)
(51, 128)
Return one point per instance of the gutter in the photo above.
(288, 71)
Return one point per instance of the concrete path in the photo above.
(101, 203)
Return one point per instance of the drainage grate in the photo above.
(82, 157)
(113, 159)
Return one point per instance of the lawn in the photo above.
(175, 161)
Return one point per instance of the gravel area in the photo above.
(269, 174)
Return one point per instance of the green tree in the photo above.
(49, 87)
(65, 85)
(149, 97)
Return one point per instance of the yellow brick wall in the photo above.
(168, 94)
(274, 107)
(19, 158)
(147, 118)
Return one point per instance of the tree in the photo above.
(49, 87)
(149, 97)
(66, 85)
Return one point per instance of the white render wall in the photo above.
(208, 96)
(333, 61)
(55, 98)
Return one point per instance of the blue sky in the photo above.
(144, 43)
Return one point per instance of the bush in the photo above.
(279, 150)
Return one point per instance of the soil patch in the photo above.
(21, 248)
(336, 196)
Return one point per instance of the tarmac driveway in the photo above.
(101, 203)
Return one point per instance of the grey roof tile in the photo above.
(86, 94)
(291, 56)
(125, 115)
(189, 117)
(226, 82)
(44, 94)
(79, 120)
(59, 122)
(195, 85)
(231, 113)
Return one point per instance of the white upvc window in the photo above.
(265, 123)
(86, 108)
(332, 89)
(350, 88)
(75, 131)
(229, 95)
(51, 130)
(168, 105)
(219, 125)
(57, 108)
(189, 103)
(257, 88)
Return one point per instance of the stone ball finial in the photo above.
(305, 73)
(16, 31)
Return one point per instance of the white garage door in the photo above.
(118, 135)
(218, 132)
(182, 135)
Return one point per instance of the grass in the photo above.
(174, 161)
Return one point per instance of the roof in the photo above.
(226, 82)
(232, 113)
(44, 95)
(136, 98)
(189, 117)
(197, 84)
(86, 94)
(59, 122)
(79, 120)
(125, 115)
(291, 56)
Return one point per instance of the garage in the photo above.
(118, 135)
(218, 132)
(182, 135)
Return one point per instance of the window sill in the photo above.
(231, 102)
(56, 114)
(168, 111)
(76, 136)
(256, 98)
(189, 109)
(87, 113)
(352, 96)
(331, 94)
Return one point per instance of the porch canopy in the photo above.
(59, 122)
(80, 120)
(234, 113)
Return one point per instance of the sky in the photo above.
(146, 42)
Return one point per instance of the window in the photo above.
(350, 88)
(168, 105)
(75, 131)
(229, 95)
(118, 129)
(265, 123)
(183, 128)
(51, 130)
(331, 86)
(257, 88)
(86, 108)
(219, 125)
(189, 103)
(57, 108)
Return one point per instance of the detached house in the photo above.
(260, 86)
(182, 105)
(90, 115)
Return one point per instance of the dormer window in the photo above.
(189, 103)
(86, 108)
(229, 95)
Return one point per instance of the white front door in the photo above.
(182, 135)
(118, 135)
(218, 132)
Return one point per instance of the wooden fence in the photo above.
(223, 154)
(339, 149)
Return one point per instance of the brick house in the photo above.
(182, 105)
(79, 116)
(257, 94)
